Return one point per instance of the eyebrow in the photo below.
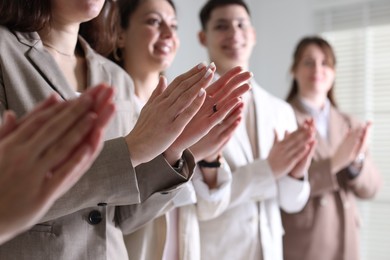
(224, 20)
(174, 18)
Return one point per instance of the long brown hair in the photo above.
(298, 53)
(25, 15)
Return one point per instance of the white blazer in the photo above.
(253, 205)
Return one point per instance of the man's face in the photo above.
(229, 37)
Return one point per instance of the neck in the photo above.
(144, 84)
(314, 101)
(60, 37)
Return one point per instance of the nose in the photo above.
(233, 31)
(166, 30)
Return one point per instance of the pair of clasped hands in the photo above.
(44, 153)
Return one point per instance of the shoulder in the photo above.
(353, 121)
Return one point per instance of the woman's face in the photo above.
(150, 41)
(314, 74)
(75, 11)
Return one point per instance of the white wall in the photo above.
(279, 25)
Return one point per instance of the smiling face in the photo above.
(75, 11)
(229, 37)
(150, 41)
(314, 72)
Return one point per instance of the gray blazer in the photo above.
(88, 221)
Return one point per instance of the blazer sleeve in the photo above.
(211, 202)
(159, 185)
(293, 193)
(253, 181)
(113, 180)
(368, 182)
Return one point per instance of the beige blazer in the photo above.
(328, 227)
(250, 224)
(88, 221)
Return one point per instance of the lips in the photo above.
(164, 48)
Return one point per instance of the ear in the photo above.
(121, 38)
(254, 35)
(202, 38)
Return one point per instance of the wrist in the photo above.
(172, 156)
(216, 163)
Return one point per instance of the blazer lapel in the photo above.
(264, 140)
(45, 64)
(241, 140)
(96, 72)
(338, 126)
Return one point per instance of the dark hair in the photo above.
(101, 31)
(208, 8)
(25, 15)
(33, 15)
(124, 10)
(298, 53)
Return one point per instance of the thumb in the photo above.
(161, 86)
(276, 138)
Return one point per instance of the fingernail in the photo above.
(201, 92)
(208, 72)
(201, 65)
(212, 66)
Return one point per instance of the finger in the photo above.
(34, 121)
(182, 119)
(235, 114)
(223, 80)
(60, 150)
(233, 84)
(9, 124)
(161, 86)
(276, 138)
(189, 88)
(105, 116)
(59, 124)
(44, 105)
(238, 92)
(198, 69)
(364, 139)
(63, 178)
(222, 112)
(103, 97)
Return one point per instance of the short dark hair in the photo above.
(25, 15)
(297, 57)
(209, 7)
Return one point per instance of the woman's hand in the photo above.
(166, 114)
(211, 145)
(287, 153)
(45, 153)
(354, 142)
(222, 97)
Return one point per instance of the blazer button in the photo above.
(95, 217)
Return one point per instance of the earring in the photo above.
(117, 54)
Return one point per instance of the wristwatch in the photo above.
(214, 164)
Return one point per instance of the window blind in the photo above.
(360, 35)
